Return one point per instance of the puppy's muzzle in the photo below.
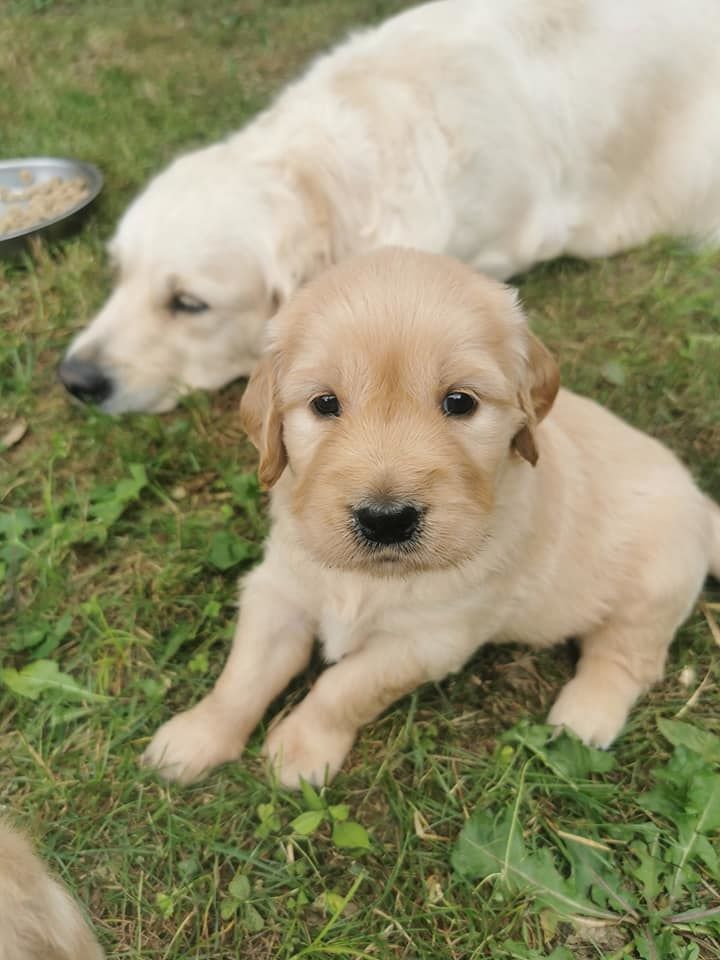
(85, 380)
(386, 524)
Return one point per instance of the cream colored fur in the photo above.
(605, 538)
(38, 918)
(501, 132)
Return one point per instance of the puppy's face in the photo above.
(193, 290)
(396, 391)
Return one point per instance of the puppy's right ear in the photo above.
(261, 419)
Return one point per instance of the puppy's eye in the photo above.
(326, 405)
(458, 404)
(185, 303)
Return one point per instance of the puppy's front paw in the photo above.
(191, 744)
(595, 714)
(299, 748)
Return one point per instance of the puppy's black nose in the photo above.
(387, 523)
(85, 380)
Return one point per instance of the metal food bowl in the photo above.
(20, 178)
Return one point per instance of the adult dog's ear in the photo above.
(260, 418)
(536, 396)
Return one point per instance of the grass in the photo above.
(121, 541)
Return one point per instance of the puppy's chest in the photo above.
(347, 620)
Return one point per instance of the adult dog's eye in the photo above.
(326, 405)
(458, 404)
(185, 303)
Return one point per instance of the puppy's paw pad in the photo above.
(596, 717)
(189, 745)
(299, 750)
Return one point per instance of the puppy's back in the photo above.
(38, 918)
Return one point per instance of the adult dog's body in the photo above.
(420, 509)
(502, 132)
(38, 918)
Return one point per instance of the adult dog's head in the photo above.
(396, 391)
(203, 257)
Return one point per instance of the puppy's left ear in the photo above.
(260, 418)
(536, 397)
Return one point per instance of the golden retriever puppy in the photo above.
(433, 491)
(38, 918)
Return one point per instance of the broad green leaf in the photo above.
(339, 812)
(593, 870)
(664, 945)
(614, 372)
(706, 850)
(199, 664)
(54, 637)
(43, 638)
(44, 676)
(240, 887)
(699, 741)
(228, 907)
(13, 524)
(139, 477)
(703, 798)
(227, 550)
(668, 795)
(310, 796)
(648, 870)
(108, 504)
(152, 688)
(269, 820)
(349, 835)
(246, 493)
(27, 638)
(180, 635)
(686, 793)
(265, 811)
(189, 868)
(485, 848)
(330, 902)
(308, 822)
(702, 817)
(13, 527)
(165, 905)
(577, 760)
(565, 755)
(253, 919)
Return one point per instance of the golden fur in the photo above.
(38, 918)
(539, 516)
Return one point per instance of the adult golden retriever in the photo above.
(433, 491)
(501, 132)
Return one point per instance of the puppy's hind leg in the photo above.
(626, 654)
(618, 663)
(273, 642)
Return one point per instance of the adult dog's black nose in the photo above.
(387, 523)
(85, 380)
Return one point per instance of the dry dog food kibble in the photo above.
(38, 203)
